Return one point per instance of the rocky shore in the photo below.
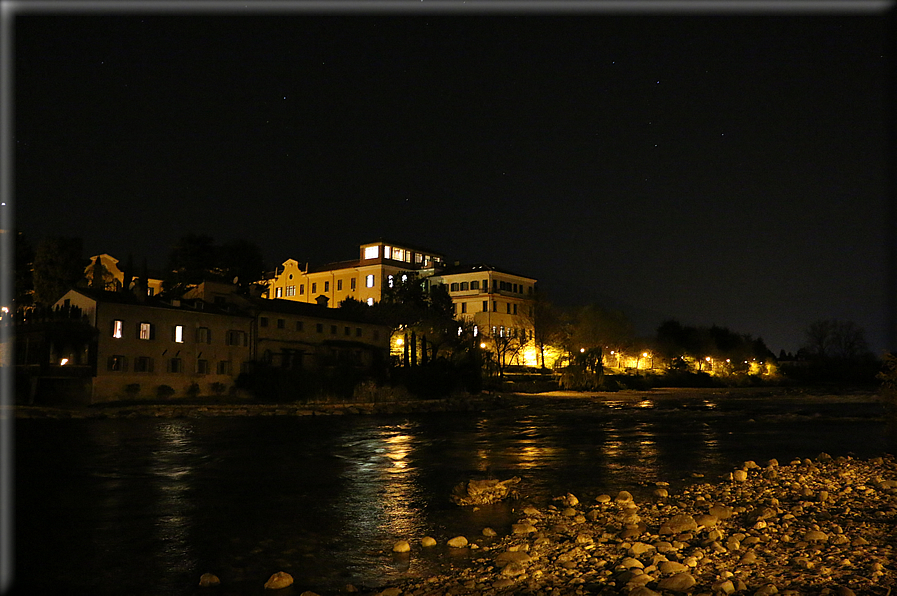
(822, 526)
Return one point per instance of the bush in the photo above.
(132, 389)
(217, 388)
(192, 390)
(164, 391)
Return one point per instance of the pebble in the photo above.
(208, 579)
(427, 541)
(759, 536)
(457, 542)
(402, 546)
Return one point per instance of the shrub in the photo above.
(164, 391)
(192, 390)
(217, 388)
(132, 389)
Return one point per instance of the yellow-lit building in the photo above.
(498, 303)
(378, 265)
(114, 277)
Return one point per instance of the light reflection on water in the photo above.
(146, 506)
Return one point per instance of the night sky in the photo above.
(719, 168)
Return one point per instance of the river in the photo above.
(145, 506)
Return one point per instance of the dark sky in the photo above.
(718, 168)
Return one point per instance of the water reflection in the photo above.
(171, 468)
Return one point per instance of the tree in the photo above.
(58, 266)
(241, 260)
(547, 325)
(837, 340)
(196, 258)
(595, 326)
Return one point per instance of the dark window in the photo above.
(281, 323)
(508, 307)
(352, 283)
(515, 309)
(485, 306)
(464, 286)
(300, 326)
(236, 338)
(143, 364)
(339, 285)
(314, 287)
(203, 335)
(224, 367)
(175, 365)
(454, 287)
(347, 331)
(358, 332)
(463, 307)
(263, 321)
(494, 306)
(118, 363)
(319, 327)
(333, 330)
(202, 367)
(475, 285)
(301, 289)
(326, 286)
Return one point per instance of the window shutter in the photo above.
(124, 364)
(149, 365)
(152, 331)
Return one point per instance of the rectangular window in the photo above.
(263, 321)
(398, 254)
(326, 286)
(175, 365)
(387, 252)
(202, 367)
(281, 324)
(301, 289)
(352, 284)
(333, 330)
(291, 290)
(236, 338)
(203, 335)
(347, 331)
(319, 327)
(143, 364)
(118, 328)
(485, 285)
(515, 309)
(369, 281)
(453, 287)
(117, 363)
(146, 331)
(508, 308)
(178, 334)
(339, 285)
(515, 288)
(300, 326)
(463, 307)
(358, 332)
(485, 306)
(475, 285)
(314, 287)
(371, 252)
(224, 367)
(279, 293)
(494, 306)
(464, 286)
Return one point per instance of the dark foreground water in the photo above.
(145, 506)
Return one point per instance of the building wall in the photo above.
(183, 347)
(115, 277)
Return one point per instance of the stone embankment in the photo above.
(823, 526)
(174, 410)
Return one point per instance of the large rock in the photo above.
(678, 524)
(680, 582)
(483, 492)
(279, 580)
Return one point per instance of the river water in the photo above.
(145, 506)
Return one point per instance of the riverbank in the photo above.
(822, 526)
(458, 403)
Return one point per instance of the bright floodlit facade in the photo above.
(496, 302)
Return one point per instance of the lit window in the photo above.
(476, 330)
(179, 334)
(279, 293)
(369, 281)
(404, 278)
(371, 252)
(118, 327)
(146, 331)
(398, 254)
(370, 302)
(390, 281)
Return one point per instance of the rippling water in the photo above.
(145, 506)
